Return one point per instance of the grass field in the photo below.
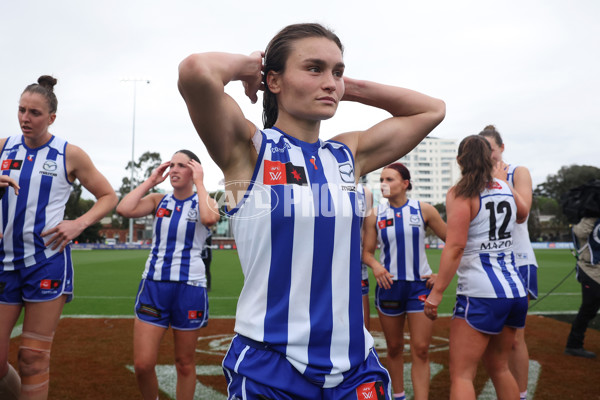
(106, 282)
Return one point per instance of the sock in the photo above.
(399, 396)
(523, 395)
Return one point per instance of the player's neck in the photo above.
(398, 201)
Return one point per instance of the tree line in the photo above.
(546, 220)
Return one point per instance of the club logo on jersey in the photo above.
(278, 173)
(370, 391)
(163, 213)
(285, 147)
(193, 314)
(11, 164)
(50, 284)
(346, 172)
(192, 214)
(384, 223)
(30, 157)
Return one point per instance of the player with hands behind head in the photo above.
(172, 292)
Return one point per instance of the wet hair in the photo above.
(45, 87)
(276, 55)
(403, 171)
(475, 162)
(491, 132)
(190, 154)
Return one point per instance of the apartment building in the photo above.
(433, 169)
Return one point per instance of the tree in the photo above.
(565, 179)
(142, 170)
(548, 196)
(76, 207)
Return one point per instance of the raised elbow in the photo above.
(210, 219)
(191, 71)
(439, 110)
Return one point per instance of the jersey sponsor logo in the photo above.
(371, 391)
(178, 208)
(313, 161)
(494, 185)
(30, 157)
(346, 172)
(422, 298)
(498, 244)
(278, 173)
(399, 214)
(50, 284)
(414, 220)
(194, 314)
(11, 164)
(349, 188)
(163, 213)
(384, 223)
(50, 165)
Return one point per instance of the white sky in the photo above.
(531, 67)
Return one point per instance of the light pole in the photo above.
(135, 81)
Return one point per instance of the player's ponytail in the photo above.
(475, 162)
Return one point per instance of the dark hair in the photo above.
(491, 132)
(45, 87)
(190, 154)
(276, 55)
(475, 162)
(403, 171)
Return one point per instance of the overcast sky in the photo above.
(532, 68)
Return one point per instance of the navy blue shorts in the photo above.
(402, 297)
(254, 371)
(177, 304)
(529, 275)
(491, 315)
(41, 282)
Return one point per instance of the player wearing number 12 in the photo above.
(491, 302)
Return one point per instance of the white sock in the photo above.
(523, 395)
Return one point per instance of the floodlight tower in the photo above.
(135, 81)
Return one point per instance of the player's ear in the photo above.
(274, 81)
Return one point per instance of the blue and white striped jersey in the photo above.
(298, 238)
(177, 241)
(522, 248)
(44, 190)
(401, 236)
(361, 209)
(487, 268)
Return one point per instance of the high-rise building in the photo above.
(433, 169)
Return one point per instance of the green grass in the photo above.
(106, 282)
